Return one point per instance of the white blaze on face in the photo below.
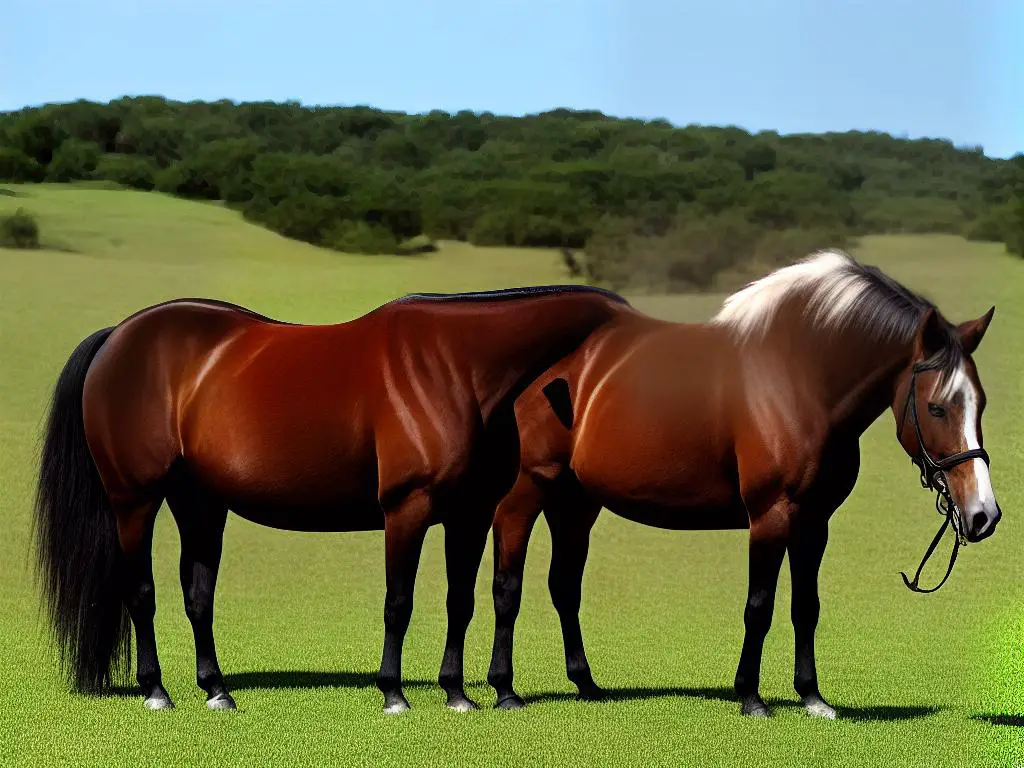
(985, 499)
(982, 479)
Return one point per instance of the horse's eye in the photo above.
(936, 410)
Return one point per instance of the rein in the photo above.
(933, 477)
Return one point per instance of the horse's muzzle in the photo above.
(981, 522)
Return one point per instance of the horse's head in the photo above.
(938, 405)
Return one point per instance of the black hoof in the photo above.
(460, 702)
(592, 692)
(753, 706)
(511, 701)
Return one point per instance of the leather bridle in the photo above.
(933, 477)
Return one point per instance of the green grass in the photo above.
(299, 615)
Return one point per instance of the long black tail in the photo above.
(76, 540)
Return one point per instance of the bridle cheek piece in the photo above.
(933, 477)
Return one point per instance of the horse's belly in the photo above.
(351, 515)
(297, 501)
(683, 495)
(725, 517)
(311, 484)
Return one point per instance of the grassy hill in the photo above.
(918, 679)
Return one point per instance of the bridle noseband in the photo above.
(933, 477)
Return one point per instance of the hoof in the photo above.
(461, 703)
(592, 692)
(222, 701)
(818, 707)
(158, 702)
(753, 706)
(512, 701)
(396, 704)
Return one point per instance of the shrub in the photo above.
(73, 160)
(17, 166)
(184, 179)
(885, 214)
(360, 237)
(696, 253)
(993, 226)
(417, 245)
(778, 247)
(698, 250)
(571, 263)
(19, 230)
(1015, 232)
(130, 170)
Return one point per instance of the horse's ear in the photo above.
(930, 337)
(973, 331)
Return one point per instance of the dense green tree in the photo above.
(73, 160)
(130, 170)
(359, 177)
(16, 166)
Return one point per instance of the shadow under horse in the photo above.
(397, 420)
(752, 420)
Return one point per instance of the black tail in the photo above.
(76, 540)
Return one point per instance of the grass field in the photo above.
(932, 680)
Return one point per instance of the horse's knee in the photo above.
(507, 592)
(566, 592)
(757, 616)
(141, 600)
(199, 605)
(806, 612)
(397, 612)
(461, 604)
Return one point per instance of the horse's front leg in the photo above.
(405, 527)
(806, 548)
(768, 538)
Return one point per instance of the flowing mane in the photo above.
(837, 292)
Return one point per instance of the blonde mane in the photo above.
(837, 290)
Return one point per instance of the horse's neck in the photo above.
(861, 379)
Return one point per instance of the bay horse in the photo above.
(396, 420)
(751, 420)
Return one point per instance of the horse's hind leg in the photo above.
(570, 519)
(513, 524)
(464, 539)
(135, 533)
(201, 521)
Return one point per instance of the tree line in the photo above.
(365, 180)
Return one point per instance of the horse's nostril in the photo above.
(978, 522)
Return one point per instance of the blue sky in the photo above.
(944, 68)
